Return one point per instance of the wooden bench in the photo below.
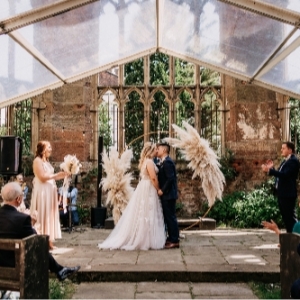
(30, 275)
(289, 262)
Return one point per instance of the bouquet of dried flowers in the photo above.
(117, 181)
(202, 160)
(72, 166)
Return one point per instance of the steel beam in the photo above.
(39, 14)
(268, 10)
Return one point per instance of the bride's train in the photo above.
(141, 226)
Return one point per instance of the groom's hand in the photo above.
(159, 192)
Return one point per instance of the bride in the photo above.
(141, 226)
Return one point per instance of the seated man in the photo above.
(17, 225)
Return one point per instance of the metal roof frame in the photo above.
(9, 25)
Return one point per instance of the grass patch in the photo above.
(61, 290)
(266, 290)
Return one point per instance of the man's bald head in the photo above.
(10, 192)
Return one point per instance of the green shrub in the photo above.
(247, 209)
(256, 206)
(223, 211)
(84, 213)
(226, 162)
(266, 290)
(60, 290)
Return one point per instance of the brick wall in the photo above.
(252, 132)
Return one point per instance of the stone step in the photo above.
(210, 273)
(200, 224)
(221, 255)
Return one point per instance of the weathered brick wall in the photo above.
(107, 79)
(253, 130)
(65, 121)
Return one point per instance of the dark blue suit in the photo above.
(167, 179)
(16, 225)
(286, 190)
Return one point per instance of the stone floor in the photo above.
(209, 264)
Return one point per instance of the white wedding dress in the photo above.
(141, 226)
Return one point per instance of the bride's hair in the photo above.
(146, 152)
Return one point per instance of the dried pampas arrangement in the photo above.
(72, 166)
(202, 160)
(117, 181)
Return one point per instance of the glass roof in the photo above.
(287, 4)
(15, 7)
(48, 43)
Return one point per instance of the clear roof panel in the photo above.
(98, 35)
(220, 34)
(19, 72)
(287, 4)
(286, 74)
(94, 35)
(10, 8)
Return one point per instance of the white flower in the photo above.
(117, 180)
(202, 160)
(71, 164)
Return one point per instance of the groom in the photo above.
(168, 193)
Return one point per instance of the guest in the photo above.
(72, 205)
(44, 194)
(16, 225)
(20, 179)
(72, 195)
(63, 214)
(274, 227)
(285, 183)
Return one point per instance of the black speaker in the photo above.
(10, 155)
(98, 216)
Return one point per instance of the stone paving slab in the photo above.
(163, 290)
(222, 290)
(203, 259)
(105, 290)
(203, 255)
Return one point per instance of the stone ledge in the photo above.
(217, 275)
(109, 223)
(204, 224)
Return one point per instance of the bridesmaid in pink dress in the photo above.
(44, 194)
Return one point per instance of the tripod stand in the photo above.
(71, 227)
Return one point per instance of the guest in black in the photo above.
(285, 183)
(16, 225)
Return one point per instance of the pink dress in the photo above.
(44, 200)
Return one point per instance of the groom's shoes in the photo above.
(66, 272)
(170, 245)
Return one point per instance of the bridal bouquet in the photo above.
(117, 181)
(70, 165)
